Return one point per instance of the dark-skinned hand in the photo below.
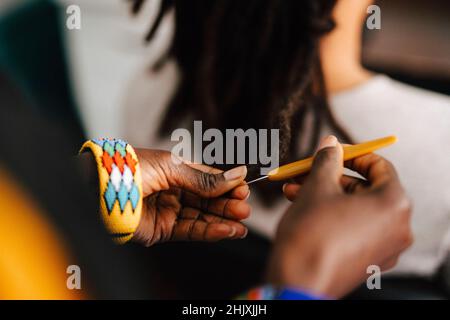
(184, 201)
(338, 226)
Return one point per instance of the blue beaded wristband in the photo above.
(268, 292)
(295, 294)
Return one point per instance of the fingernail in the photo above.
(245, 234)
(330, 141)
(284, 187)
(232, 233)
(235, 173)
(248, 195)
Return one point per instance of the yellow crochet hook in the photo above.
(296, 168)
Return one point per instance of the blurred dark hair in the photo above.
(250, 64)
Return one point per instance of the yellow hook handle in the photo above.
(350, 152)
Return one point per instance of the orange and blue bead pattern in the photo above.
(121, 168)
(120, 186)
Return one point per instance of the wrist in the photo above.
(305, 267)
(145, 231)
(155, 170)
(89, 173)
(119, 185)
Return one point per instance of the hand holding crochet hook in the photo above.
(338, 225)
(300, 167)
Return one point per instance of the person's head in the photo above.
(250, 64)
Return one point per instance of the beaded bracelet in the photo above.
(120, 186)
(268, 292)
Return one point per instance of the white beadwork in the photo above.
(115, 177)
(127, 177)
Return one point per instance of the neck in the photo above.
(340, 51)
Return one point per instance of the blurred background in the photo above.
(416, 53)
(34, 30)
(75, 77)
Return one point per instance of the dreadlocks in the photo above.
(250, 64)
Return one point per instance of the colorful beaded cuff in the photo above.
(120, 186)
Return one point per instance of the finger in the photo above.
(291, 190)
(195, 214)
(327, 167)
(199, 230)
(389, 263)
(301, 179)
(240, 192)
(223, 207)
(241, 229)
(229, 208)
(348, 183)
(204, 168)
(378, 171)
(206, 184)
(353, 184)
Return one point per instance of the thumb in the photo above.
(209, 185)
(328, 166)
